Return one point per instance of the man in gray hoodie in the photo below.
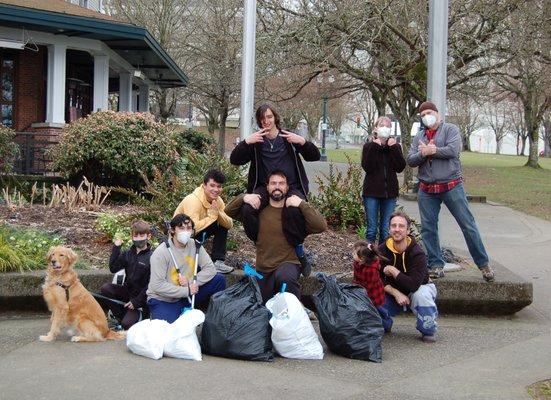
(170, 286)
(435, 150)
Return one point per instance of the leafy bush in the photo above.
(24, 248)
(166, 190)
(118, 227)
(339, 197)
(192, 139)
(8, 148)
(111, 148)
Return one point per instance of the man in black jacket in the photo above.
(406, 278)
(135, 262)
(274, 149)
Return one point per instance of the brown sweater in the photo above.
(272, 249)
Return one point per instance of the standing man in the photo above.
(435, 151)
(270, 149)
(276, 259)
(406, 279)
(206, 209)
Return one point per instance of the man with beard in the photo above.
(406, 278)
(276, 259)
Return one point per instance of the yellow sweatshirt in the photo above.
(197, 207)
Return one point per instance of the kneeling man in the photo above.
(170, 286)
(406, 277)
(206, 208)
(276, 259)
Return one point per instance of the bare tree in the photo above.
(518, 126)
(498, 119)
(528, 75)
(382, 45)
(466, 114)
(337, 110)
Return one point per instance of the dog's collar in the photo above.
(66, 287)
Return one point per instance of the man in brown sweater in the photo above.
(276, 259)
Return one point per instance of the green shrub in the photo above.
(8, 148)
(339, 197)
(166, 190)
(192, 139)
(111, 148)
(118, 227)
(24, 248)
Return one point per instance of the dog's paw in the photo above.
(45, 338)
(75, 339)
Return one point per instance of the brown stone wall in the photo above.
(30, 89)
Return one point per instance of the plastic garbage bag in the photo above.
(237, 324)
(349, 323)
(148, 338)
(293, 335)
(183, 342)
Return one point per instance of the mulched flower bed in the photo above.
(331, 250)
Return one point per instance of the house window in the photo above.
(7, 95)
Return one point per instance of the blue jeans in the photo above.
(377, 216)
(171, 311)
(456, 201)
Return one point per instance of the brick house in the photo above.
(60, 61)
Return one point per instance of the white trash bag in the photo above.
(183, 342)
(293, 335)
(148, 338)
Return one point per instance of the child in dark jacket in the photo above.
(135, 262)
(367, 273)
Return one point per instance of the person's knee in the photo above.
(105, 289)
(218, 282)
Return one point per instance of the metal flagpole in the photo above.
(247, 69)
(438, 54)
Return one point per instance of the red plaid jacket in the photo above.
(439, 187)
(369, 276)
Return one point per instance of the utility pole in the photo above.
(247, 69)
(438, 54)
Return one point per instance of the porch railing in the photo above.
(33, 157)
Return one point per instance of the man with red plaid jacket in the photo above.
(435, 150)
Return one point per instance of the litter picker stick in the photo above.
(198, 245)
(168, 238)
(114, 301)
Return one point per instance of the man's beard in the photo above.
(277, 195)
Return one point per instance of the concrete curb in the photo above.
(463, 292)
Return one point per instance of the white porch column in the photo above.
(143, 105)
(101, 83)
(55, 99)
(125, 91)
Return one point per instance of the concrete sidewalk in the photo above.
(475, 358)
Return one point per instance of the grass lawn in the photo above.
(500, 178)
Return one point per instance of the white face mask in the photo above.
(183, 236)
(383, 132)
(429, 120)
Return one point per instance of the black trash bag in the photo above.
(237, 324)
(349, 322)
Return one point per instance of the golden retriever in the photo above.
(70, 303)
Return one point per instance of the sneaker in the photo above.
(222, 267)
(305, 262)
(488, 273)
(437, 272)
(112, 321)
(429, 338)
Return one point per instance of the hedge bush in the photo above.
(113, 148)
(8, 148)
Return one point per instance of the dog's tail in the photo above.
(112, 335)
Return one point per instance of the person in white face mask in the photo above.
(435, 151)
(171, 285)
(382, 159)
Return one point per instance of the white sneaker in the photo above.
(222, 267)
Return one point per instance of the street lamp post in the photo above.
(324, 130)
(330, 79)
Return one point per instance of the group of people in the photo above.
(277, 217)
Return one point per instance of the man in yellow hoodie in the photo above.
(206, 209)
